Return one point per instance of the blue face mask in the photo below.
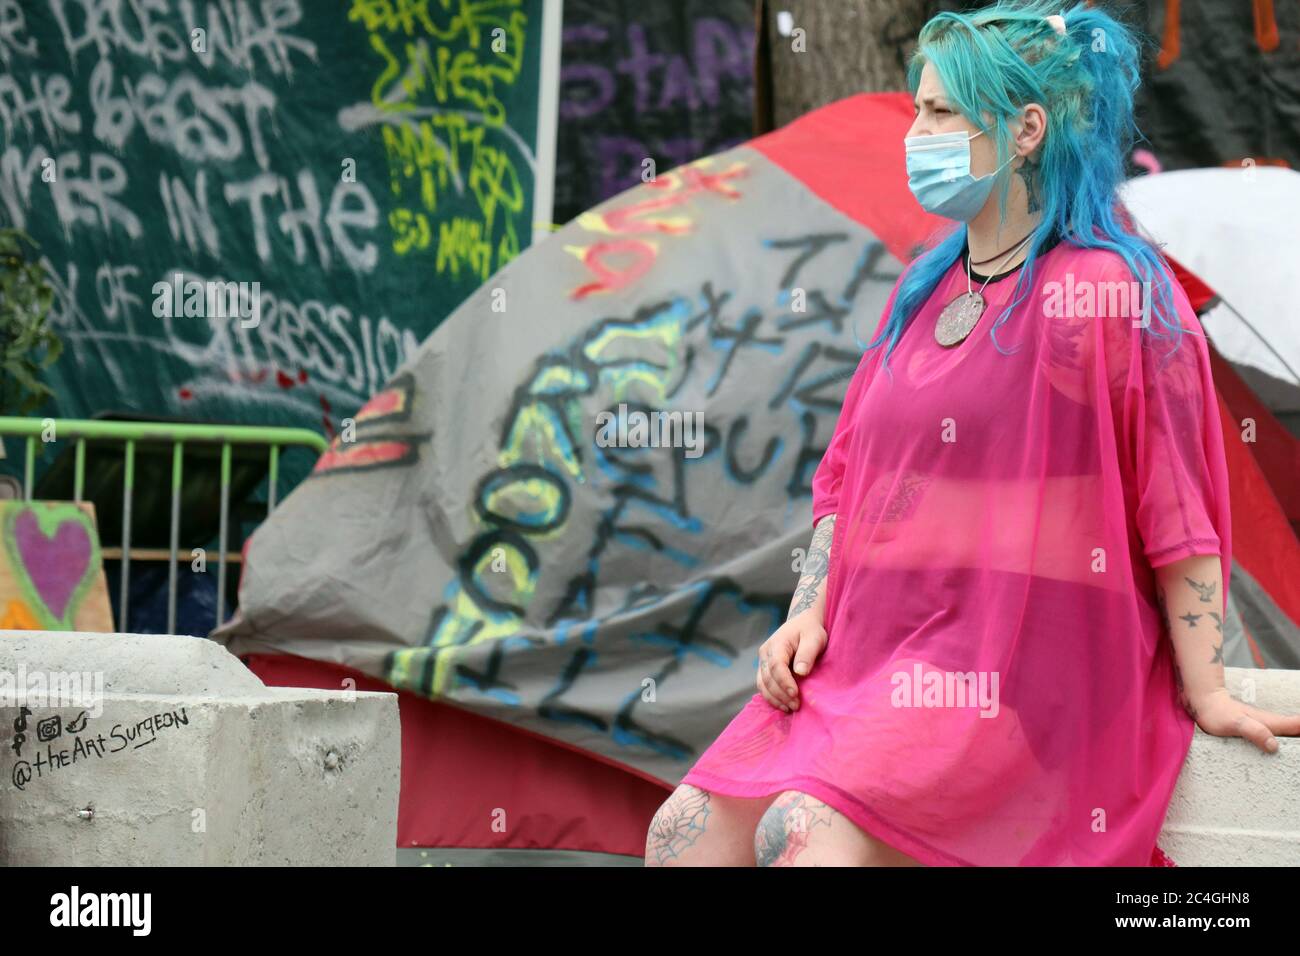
(938, 171)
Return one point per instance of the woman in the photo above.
(1025, 492)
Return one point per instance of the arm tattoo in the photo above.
(677, 825)
(815, 567)
(1204, 591)
(1182, 693)
(1164, 609)
(1178, 672)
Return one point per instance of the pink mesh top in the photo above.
(997, 687)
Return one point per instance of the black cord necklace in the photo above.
(980, 262)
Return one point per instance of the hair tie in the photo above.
(1058, 23)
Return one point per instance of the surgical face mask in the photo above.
(938, 173)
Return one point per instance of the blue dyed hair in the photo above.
(995, 61)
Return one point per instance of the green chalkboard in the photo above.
(366, 164)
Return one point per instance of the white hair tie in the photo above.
(1058, 23)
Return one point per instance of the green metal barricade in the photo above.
(131, 433)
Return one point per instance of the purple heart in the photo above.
(54, 565)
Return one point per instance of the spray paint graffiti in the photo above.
(440, 105)
(370, 447)
(52, 578)
(668, 82)
(517, 566)
(645, 217)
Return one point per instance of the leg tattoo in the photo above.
(677, 825)
(782, 833)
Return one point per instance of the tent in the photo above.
(1230, 235)
(567, 637)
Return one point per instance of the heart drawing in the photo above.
(53, 552)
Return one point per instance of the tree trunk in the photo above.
(849, 46)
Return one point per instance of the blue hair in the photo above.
(995, 61)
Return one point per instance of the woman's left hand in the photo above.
(1221, 714)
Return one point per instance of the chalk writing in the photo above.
(133, 151)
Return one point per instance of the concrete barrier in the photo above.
(192, 760)
(1235, 805)
(181, 756)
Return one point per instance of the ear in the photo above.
(1031, 129)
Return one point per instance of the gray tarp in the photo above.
(476, 544)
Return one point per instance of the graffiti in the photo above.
(19, 617)
(440, 103)
(86, 747)
(52, 562)
(596, 592)
(20, 730)
(49, 728)
(645, 216)
(372, 447)
(665, 348)
(668, 83)
(133, 149)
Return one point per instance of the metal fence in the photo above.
(131, 433)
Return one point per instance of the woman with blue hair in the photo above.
(1010, 620)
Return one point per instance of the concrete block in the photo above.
(186, 758)
(1235, 805)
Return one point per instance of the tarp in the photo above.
(476, 544)
(1237, 230)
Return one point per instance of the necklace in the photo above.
(980, 262)
(960, 315)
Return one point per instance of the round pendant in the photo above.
(958, 318)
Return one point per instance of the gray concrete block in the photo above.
(262, 775)
(1235, 805)
(190, 760)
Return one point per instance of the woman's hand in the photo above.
(796, 644)
(1221, 714)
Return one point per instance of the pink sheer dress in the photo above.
(997, 687)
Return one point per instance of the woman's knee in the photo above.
(800, 830)
(695, 827)
(788, 827)
(678, 825)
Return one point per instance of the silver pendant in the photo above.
(958, 318)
